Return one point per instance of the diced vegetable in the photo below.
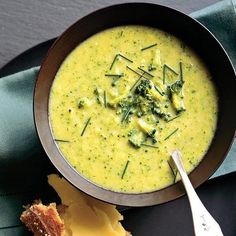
(136, 138)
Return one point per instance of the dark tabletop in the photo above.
(25, 23)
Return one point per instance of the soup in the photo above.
(124, 99)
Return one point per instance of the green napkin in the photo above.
(24, 164)
(220, 19)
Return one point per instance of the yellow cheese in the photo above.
(84, 215)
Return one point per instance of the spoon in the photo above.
(204, 223)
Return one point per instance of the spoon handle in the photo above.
(204, 223)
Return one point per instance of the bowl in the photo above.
(176, 23)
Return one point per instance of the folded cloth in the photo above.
(18, 137)
(220, 19)
(23, 163)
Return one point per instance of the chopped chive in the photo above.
(114, 75)
(181, 71)
(171, 134)
(157, 89)
(136, 82)
(61, 140)
(85, 126)
(125, 169)
(164, 71)
(173, 118)
(126, 114)
(149, 145)
(150, 46)
(145, 72)
(117, 77)
(171, 69)
(105, 99)
(136, 72)
(125, 57)
(173, 172)
(113, 61)
(164, 74)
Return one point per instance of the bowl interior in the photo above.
(174, 22)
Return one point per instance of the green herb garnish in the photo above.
(115, 75)
(172, 119)
(61, 140)
(164, 74)
(133, 86)
(165, 66)
(126, 114)
(117, 55)
(172, 171)
(145, 72)
(126, 58)
(171, 69)
(181, 71)
(171, 134)
(136, 72)
(85, 126)
(113, 61)
(150, 46)
(125, 169)
(105, 99)
(149, 145)
(158, 90)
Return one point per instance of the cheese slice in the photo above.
(84, 215)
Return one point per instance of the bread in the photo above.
(77, 215)
(43, 220)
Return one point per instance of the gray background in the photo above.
(25, 23)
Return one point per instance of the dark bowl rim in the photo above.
(65, 32)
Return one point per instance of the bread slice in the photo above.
(43, 220)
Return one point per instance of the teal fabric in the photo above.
(18, 137)
(220, 19)
(23, 163)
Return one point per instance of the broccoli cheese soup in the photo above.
(124, 99)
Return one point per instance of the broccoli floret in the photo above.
(145, 106)
(149, 130)
(176, 90)
(177, 87)
(143, 88)
(136, 138)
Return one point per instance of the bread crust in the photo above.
(43, 220)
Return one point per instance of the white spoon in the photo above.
(204, 223)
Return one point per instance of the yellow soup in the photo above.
(124, 99)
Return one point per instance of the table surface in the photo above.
(25, 23)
